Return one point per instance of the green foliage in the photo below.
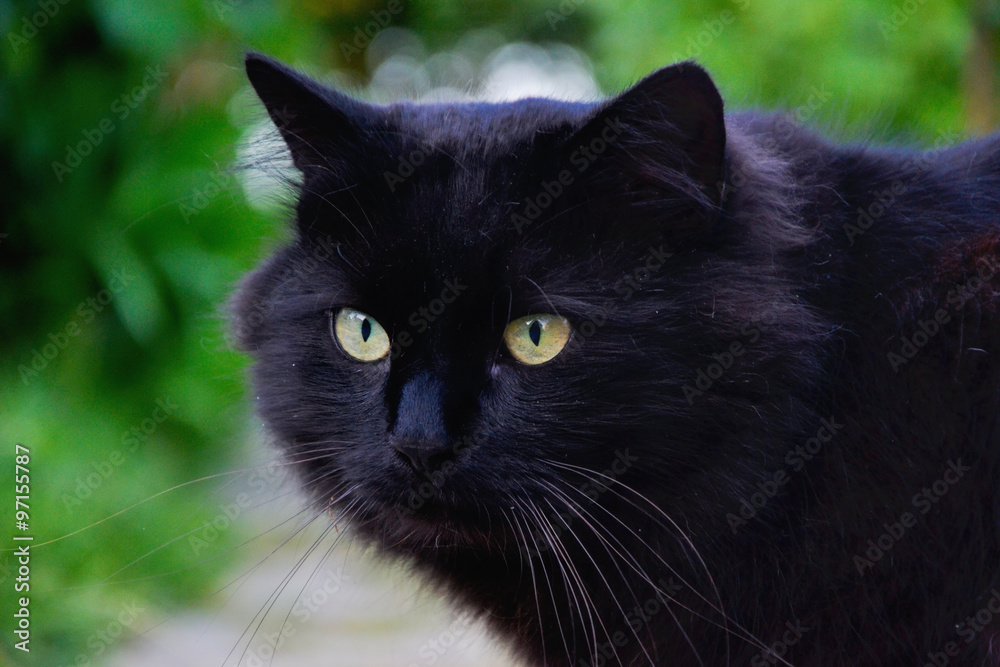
(152, 226)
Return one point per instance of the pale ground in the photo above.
(355, 612)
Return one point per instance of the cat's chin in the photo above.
(404, 529)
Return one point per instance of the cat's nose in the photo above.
(419, 435)
(423, 458)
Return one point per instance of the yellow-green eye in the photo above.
(360, 335)
(535, 339)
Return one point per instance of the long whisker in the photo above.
(633, 563)
(597, 568)
(591, 475)
(273, 598)
(523, 544)
(241, 471)
(541, 563)
(312, 576)
(558, 552)
(243, 578)
(195, 530)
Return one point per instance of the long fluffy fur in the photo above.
(772, 274)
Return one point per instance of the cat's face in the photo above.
(392, 354)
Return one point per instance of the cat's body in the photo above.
(777, 422)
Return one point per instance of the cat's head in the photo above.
(490, 305)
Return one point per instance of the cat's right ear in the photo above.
(662, 143)
(325, 130)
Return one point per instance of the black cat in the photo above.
(643, 383)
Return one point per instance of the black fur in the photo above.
(747, 399)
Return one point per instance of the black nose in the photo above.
(424, 457)
(419, 434)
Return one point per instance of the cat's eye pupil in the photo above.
(526, 343)
(535, 332)
(359, 336)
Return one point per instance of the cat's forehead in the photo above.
(444, 200)
(483, 126)
(456, 174)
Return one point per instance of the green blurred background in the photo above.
(125, 225)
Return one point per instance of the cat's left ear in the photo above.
(666, 135)
(325, 130)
